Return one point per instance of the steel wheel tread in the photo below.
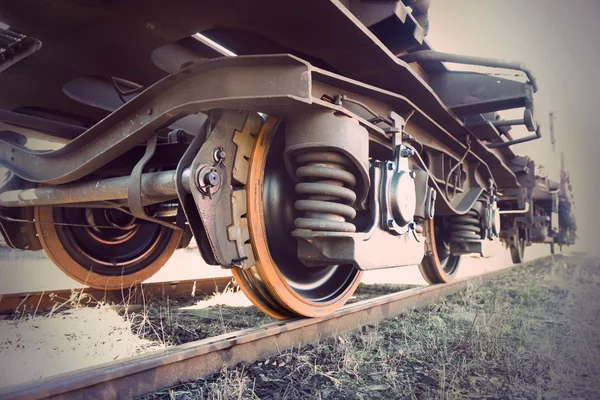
(517, 250)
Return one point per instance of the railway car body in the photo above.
(300, 143)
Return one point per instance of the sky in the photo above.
(560, 42)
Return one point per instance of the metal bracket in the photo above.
(221, 210)
(183, 191)
(459, 247)
(399, 197)
(134, 193)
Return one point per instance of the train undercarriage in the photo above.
(325, 140)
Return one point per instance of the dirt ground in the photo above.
(34, 347)
(532, 334)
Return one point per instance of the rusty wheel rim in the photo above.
(269, 285)
(438, 265)
(103, 258)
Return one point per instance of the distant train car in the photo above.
(540, 211)
(301, 143)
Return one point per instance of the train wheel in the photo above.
(279, 284)
(438, 265)
(104, 258)
(517, 249)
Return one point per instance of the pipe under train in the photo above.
(157, 187)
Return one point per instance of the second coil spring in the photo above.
(467, 226)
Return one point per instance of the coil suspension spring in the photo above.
(467, 227)
(327, 183)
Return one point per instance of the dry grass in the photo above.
(171, 323)
(532, 334)
(174, 322)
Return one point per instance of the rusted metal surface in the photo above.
(251, 81)
(62, 299)
(255, 83)
(272, 84)
(214, 202)
(149, 372)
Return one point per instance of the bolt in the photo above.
(221, 154)
(212, 178)
(390, 223)
(149, 111)
(406, 152)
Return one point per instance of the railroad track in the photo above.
(44, 301)
(146, 373)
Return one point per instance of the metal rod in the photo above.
(552, 137)
(156, 187)
(167, 210)
(523, 211)
(508, 122)
(175, 290)
(432, 55)
(536, 135)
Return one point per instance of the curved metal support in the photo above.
(240, 82)
(432, 55)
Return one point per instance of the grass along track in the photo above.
(150, 372)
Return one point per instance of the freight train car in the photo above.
(299, 142)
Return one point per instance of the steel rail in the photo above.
(143, 374)
(44, 301)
